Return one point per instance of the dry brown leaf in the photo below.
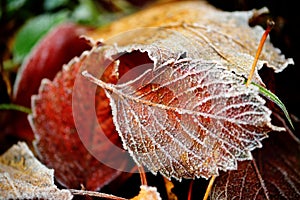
(197, 29)
(22, 176)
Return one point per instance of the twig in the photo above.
(96, 194)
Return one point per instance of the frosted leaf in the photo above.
(198, 29)
(188, 118)
(274, 173)
(22, 176)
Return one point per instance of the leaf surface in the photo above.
(274, 173)
(188, 118)
(188, 114)
(44, 61)
(22, 176)
(57, 140)
(209, 34)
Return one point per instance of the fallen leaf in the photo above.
(47, 58)
(32, 31)
(200, 30)
(44, 61)
(188, 118)
(211, 120)
(22, 176)
(219, 43)
(57, 141)
(274, 173)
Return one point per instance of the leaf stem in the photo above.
(209, 187)
(142, 175)
(98, 82)
(259, 49)
(15, 107)
(95, 194)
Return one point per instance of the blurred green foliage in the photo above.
(34, 18)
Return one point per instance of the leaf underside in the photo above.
(188, 118)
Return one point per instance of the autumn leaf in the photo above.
(175, 82)
(57, 141)
(44, 61)
(22, 176)
(47, 58)
(85, 147)
(200, 30)
(188, 118)
(211, 121)
(274, 173)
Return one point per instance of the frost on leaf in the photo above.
(274, 173)
(57, 139)
(199, 30)
(22, 176)
(182, 117)
(191, 114)
(188, 118)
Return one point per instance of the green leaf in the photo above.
(86, 12)
(15, 107)
(14, 5)
(54, 4)
(91, 13)
(33, 31)
(269, 95)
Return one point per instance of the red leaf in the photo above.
(57, 48)
(188, 118)
(70, 128)
(58, 143)
(274, 173)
